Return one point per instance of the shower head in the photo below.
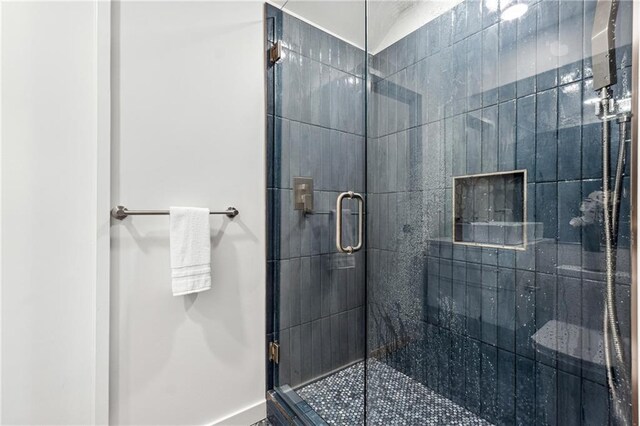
(603, 44)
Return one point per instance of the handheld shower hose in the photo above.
(617, 374)
(604, 77)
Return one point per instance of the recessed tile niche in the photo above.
(489, 210)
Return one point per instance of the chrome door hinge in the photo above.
(274, 352)
(275, 53)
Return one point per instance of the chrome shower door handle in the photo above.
(350, 195)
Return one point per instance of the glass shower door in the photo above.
(490, 258)
(316, 154)
(494, 284)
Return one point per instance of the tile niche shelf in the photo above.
(489, 210)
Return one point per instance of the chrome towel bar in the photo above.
(120, 212)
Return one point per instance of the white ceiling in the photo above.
(388, 20)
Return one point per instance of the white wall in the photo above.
(188, 129)
(51, 227)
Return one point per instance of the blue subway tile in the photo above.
(592, 319)
(546, 395)
(506, 302)
(592, 258)
(284, 367)
(474, 17)
(547, 45)
(306, 352)
(459, 78)
(295, 355)
(284, 292)
(526, 135)
(474, 310)
(508, 51)
(272, 154)
(526, 63)
(569, 152)
(490, 13)
(433, 289)
(474, 254)
(459, 22)
(507, 136)
(273, 218)
(546, 135)
(596, 411)
(623, 34)
(412, 39)
(445, 24)
(507, 258)
(273, 276)
(527, 259)
(569, 131)
(474, 69)
(402, 52)
(489, 139)
(525, 391)
(431, 361)
(489, 382)
(457, 137)
(294, 293)
(422, 41)
(458, 321)
(271, 89)
(444, 363)
(490, 65)
(490, 256)
(588, 16)
(336, 350)
(291, 32)
(473, 373)
(274, 23)
(474, 142)
(505, 401)
(525, 312)
(306, 290)
(316, 348)
(546, 208)
(570, 40)
(569, 201)
(591, 151)
(489, 315)
(337, 59)
(569, 399)
(545, 338)
(569, 319)
(435, 32)
(437, 68)
(457, 379)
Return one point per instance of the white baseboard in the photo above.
(245, 417)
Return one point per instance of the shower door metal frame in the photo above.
(635, 45)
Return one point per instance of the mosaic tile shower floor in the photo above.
(394, 399)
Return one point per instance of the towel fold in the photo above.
(190, 250)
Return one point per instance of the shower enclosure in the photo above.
(469, 142)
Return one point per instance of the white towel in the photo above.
(190, 250)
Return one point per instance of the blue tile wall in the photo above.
(512, 336)
(315, 128)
